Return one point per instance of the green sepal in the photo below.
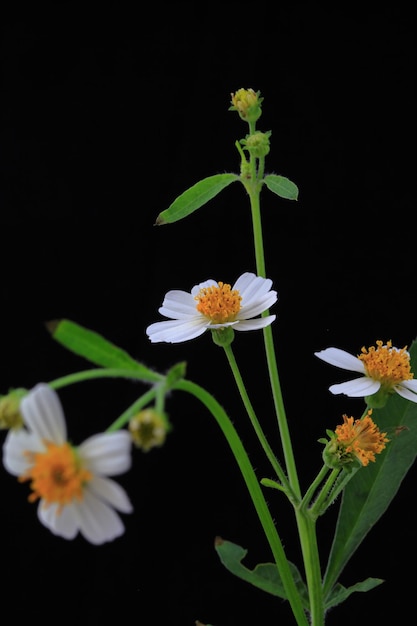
(282, 186)
(223, 337)
(265, 576)
(96, 349)
(340, 593)
(176, 373)
(371, 490)
(195, 197)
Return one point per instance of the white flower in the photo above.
(212, 305)
(384, 368)
(70, 482)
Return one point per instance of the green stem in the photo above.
(134, 408)
(313, 487)
(270, 355)
(311, 558)
(255, 492)
(319, 505)
(306, 526)
(100, 372)
(256, 425)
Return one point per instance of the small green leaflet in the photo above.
(265, 576)
(195, 197)
(282, 186)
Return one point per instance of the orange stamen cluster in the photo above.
(361, 437)
(219, 304)
(387, 364)
(56, 475)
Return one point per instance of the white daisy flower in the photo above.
(384, 369)
(70, 483)
(212, 305)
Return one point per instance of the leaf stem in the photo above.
(256, 425)
(255, 492)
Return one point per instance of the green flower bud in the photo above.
(10, 416)
(247, 103)
(257, 144)
(149, 429)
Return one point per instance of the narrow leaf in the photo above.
(265, 576)
(195, 197)
(96, 349)
(282, 186)
(372, 489)
(341, 593)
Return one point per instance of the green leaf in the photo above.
(282, 186)
(371, 490)
(265, 576)
(341, 593)
(96, 349)
(194, 197)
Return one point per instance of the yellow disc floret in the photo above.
(56, 475)
(386, 364)
(219, 304)
(360, 437)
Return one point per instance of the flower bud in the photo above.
(257, 144)
(10, 416)
(247, 103)
(149, 429)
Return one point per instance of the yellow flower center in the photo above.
(361, 437)
(387, 364)
(56, 475)
(219, 304)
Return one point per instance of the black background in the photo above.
(108, 115)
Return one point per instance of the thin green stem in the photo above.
(255, 492)
(313, 487)
(319, 505)
(134, 408)
(256, 425)
(100, 372)
(271, 357)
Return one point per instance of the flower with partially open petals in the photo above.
(71, 483)
(214, 305)
(384, 368)
(354, 440)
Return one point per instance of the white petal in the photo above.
(359, 387)
(98, 522)
(111, 492)
(107, 454)
(207, 283)
(252, 287)
(260, 322)
(410, 384)
(255, 307)
(16, 444)
(42, 412)
(63, 523)
(406, 393)
(176, 331)
(178, 305)
(341, 359)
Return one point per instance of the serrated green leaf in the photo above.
(265, 576)
(341, 593)
(282, 186)
(195, 197)
(372, 489)
(96, 349)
